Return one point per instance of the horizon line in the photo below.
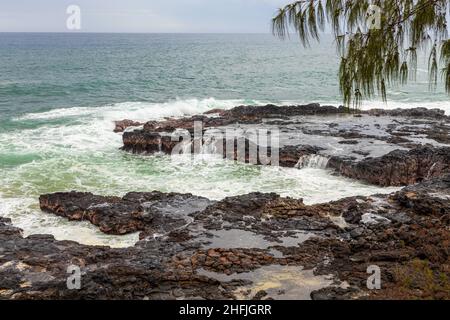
(133, 32)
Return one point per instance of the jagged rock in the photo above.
(397, 168)
(383, 147)
(170, 125)
(412, 253)
(36, 267)
(149, 143)
(121, 126)
(220, 112)
(192, 247)
(290, 155)
(431, 197)
(273, 111)
(239, 149)
(413, 112)
(134, 212)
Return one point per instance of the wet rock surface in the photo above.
(384, 147)
(261, 246)
(153, 212)
(397, 168)
(242, 248)
(121, 126)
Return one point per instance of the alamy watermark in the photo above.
(73, 22)
(373, 17)
(74, 279)
(374, 281)
(253, 146)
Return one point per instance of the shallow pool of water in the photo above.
(279, 282)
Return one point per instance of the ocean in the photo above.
(60, 93)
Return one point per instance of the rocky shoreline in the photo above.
(261, 246)
(382, 147)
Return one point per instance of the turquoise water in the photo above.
(40, 72)
(59, 96)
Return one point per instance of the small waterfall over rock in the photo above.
(312, 161)
(187, 147)
(159, 145)
(430, 171)
(208, 146)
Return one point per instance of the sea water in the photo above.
(61, 93)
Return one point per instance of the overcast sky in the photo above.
(241, 16)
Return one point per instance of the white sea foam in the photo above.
(25, 214)
(93, 129)
(142, 111)
(139, 110)
(84, 155)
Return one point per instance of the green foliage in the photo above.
(374, 57)
(422, 278)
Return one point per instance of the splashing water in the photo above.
(312, 161)
(56, 130)
(77, 150)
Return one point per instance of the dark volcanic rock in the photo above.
(405, 234)
(36, 267)
(121, 126)
(241, 114)
(171, 125)
(272, 111)
(148, 142)
(431, 197)
(143, 140)
(383, 147)
(397, 168)
(238, 149)
(134, 212)
(192, 247)
(413, 112)
(290, 155)
(110, 214)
